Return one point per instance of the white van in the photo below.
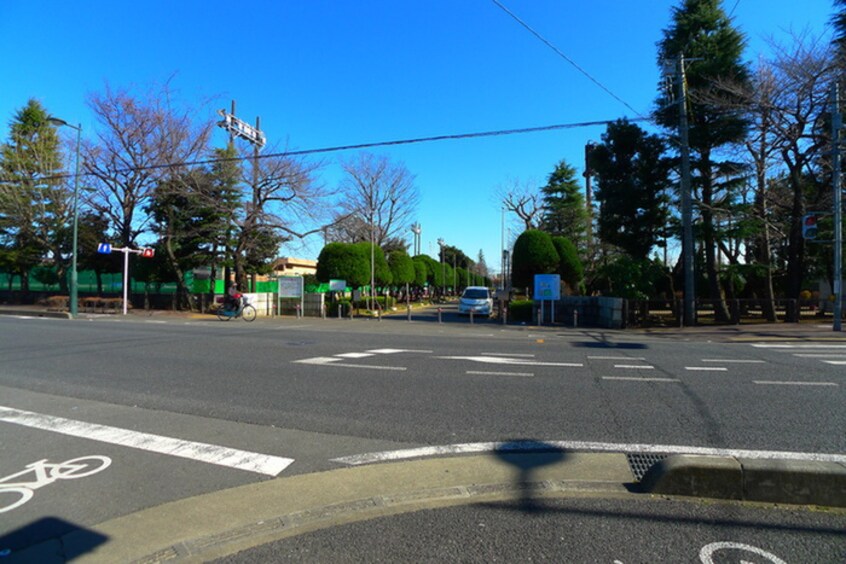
(476, 299)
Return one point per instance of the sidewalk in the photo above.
(222, 523)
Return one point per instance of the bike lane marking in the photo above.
(201, 452)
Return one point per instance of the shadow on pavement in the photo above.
(526, 456)
(601, 341)
(50, 528)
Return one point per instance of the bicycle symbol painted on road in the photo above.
(45, 474)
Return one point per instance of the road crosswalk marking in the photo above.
(202, 452)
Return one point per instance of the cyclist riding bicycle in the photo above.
(234, 297)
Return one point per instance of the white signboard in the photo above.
(241, 129)
(337, 285)
(290, 287)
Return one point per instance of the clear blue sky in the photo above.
(323, 73)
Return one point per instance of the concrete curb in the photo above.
(36, 313)
(796, 482)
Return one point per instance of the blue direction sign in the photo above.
(104, 248)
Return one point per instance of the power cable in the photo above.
(563, 56)
(359, 146)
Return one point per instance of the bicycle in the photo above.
(246, 312)
(46, 474)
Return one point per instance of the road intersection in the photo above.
(321, 398)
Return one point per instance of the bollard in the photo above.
(575, 318)
(471, 317)
(409, 312)
(297, 309)
(505, 315)
(439, 315)
(379, 314)
(339, 311)
(323, 310)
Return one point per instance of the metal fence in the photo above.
(668, 313)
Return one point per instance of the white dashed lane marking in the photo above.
(784, 383)
(636, 379)
(483, 373)
(733, 361)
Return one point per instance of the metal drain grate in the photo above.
(640, 463)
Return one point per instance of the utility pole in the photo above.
(686, 199)
(589, 147)
(836, 124)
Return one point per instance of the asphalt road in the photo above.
(303, 396)
(573, 530)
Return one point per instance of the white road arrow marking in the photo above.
(509, 361)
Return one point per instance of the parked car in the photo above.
(476, 299)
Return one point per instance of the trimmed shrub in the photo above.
(520, 310)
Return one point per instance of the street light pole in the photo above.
(443, 266)
(74, 281)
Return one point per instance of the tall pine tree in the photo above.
(564, 213)
(703, 33)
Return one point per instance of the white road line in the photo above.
(707, 368)
(797, 346)
(635, 366)
(482, 373)
(734, 361)
(290, 327)
(580, 446)
(157, 321)
(354, 355)
(365, 366)
(318, 360)
(836, 362)
(820, 355)
(616, 358)
(636, 379)
(783, 383)
(509, 361)
(510, 354)
(395, 351)
(202, 452)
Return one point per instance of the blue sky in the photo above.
(323, 73)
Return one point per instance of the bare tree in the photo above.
(381, 199)
(281, 200)
(137, 140)
(524, 200)
(783, 104)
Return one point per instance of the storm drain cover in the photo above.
(640, 463)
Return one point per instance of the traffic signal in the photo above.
(809, 226)
(148, 253)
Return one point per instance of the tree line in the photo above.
(760, 159)
(150, 177)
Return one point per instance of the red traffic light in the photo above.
(148, 253)
(809, 226)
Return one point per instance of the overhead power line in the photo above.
(563, 56)
(359, 146)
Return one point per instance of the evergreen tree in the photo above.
(703, 33)
(35, 203)
(534, 253)
(564, 212)
(632, 180)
